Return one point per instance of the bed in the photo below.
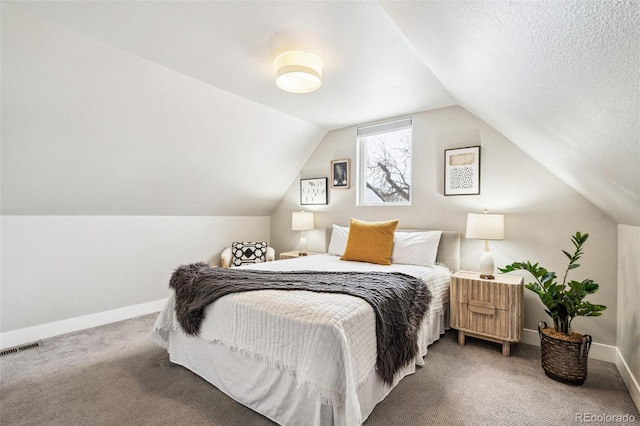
(299, 357)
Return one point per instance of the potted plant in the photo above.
(564, 352)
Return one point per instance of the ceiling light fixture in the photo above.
(298, 72)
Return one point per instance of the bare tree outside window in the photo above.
(386, 167)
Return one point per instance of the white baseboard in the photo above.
(598, 351)
(10, 339)
(628, 379)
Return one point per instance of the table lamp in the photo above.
(302, 221)
(485, 227)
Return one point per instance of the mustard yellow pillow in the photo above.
(370, 241)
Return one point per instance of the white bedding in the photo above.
(325, 341)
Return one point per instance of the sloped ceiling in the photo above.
(170, 108)
(559, 79)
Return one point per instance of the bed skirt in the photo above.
(273, 392)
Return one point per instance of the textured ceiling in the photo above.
(560, 79)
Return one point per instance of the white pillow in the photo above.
(339, 237)
(416, 248)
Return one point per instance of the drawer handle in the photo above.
(480, 307)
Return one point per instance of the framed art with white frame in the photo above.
(313, 191)
(341, 174)
(462, 171)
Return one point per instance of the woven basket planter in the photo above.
(564, 361)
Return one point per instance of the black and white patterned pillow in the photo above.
(243, 253)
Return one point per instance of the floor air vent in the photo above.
(20, 348)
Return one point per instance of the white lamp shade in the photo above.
(485, 226)
(301, 221)
(298, 72)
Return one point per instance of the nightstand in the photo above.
(294, 254)
(487, 309)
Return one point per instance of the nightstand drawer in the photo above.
(484, 318)
(480, 307)
(485, 293)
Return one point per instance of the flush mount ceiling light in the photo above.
(298, 72)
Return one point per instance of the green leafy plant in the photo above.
(563, 301)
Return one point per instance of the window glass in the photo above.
(384, 164)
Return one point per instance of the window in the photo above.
(384, 164)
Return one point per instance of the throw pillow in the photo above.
(370, 241)
(247, 252)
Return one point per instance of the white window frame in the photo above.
(371, 130)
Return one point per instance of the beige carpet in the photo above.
(114, 375)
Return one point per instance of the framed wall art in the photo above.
(340, 174)
(313, 191)
(462, 171)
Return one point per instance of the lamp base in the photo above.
(486, 263)
(302, 247)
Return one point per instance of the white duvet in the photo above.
(326, 341)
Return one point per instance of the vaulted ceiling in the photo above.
(559, 79)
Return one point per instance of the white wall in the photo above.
(59, 267)
(88, 129)
(628, 336)
(541, 212)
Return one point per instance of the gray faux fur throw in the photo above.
(399, 301)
